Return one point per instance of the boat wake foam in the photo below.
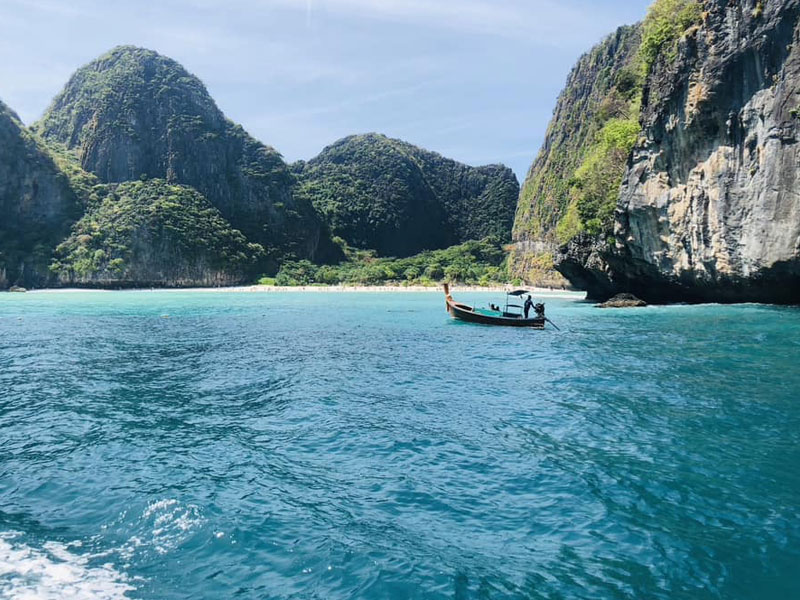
(55, 572)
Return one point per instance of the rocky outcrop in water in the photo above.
(709, 204)
(623, 301)
(385, 194)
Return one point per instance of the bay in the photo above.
(169, 445)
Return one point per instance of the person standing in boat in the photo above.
(528, 305)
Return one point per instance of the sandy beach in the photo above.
(551, 292)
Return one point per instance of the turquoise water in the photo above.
(222, 445)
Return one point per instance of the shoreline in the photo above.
(340, 289)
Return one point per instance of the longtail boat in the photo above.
(512, 315)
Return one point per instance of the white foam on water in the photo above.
(55, 573)
(157, 506)
(162, 527)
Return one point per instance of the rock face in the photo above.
(37, 205)
(133, 114)
(595, 92)
(151, 233)
(388, 195)
(578, 116)
(709, 206)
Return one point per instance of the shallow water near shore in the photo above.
(240, 445)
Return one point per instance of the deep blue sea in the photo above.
(168, 445)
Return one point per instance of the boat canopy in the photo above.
(518, 293)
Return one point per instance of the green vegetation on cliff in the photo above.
(474, 262)
(140, 227)
(81, 181)
(574, 184)
(666, 22)
(595, 186)
(600, 88)
(596, 183)
(384, 194)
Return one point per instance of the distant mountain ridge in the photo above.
(133, 148)
(385, 194)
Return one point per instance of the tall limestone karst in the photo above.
(388, 195)
(709, 205)
(599, 90)
(134, 114)
(37, 205)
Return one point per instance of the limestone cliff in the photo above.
(133, 114)
(598, 89)
(589, 98)
(37, 205)
(709, 205)
(152, 233)
(391, 196)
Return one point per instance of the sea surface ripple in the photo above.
(168, 445)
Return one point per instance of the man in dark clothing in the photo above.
(528, 306)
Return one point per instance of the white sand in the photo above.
(551, 292)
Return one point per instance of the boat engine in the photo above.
(539, 309)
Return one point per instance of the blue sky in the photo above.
(475, 80)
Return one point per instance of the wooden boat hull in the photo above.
(466, 313)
